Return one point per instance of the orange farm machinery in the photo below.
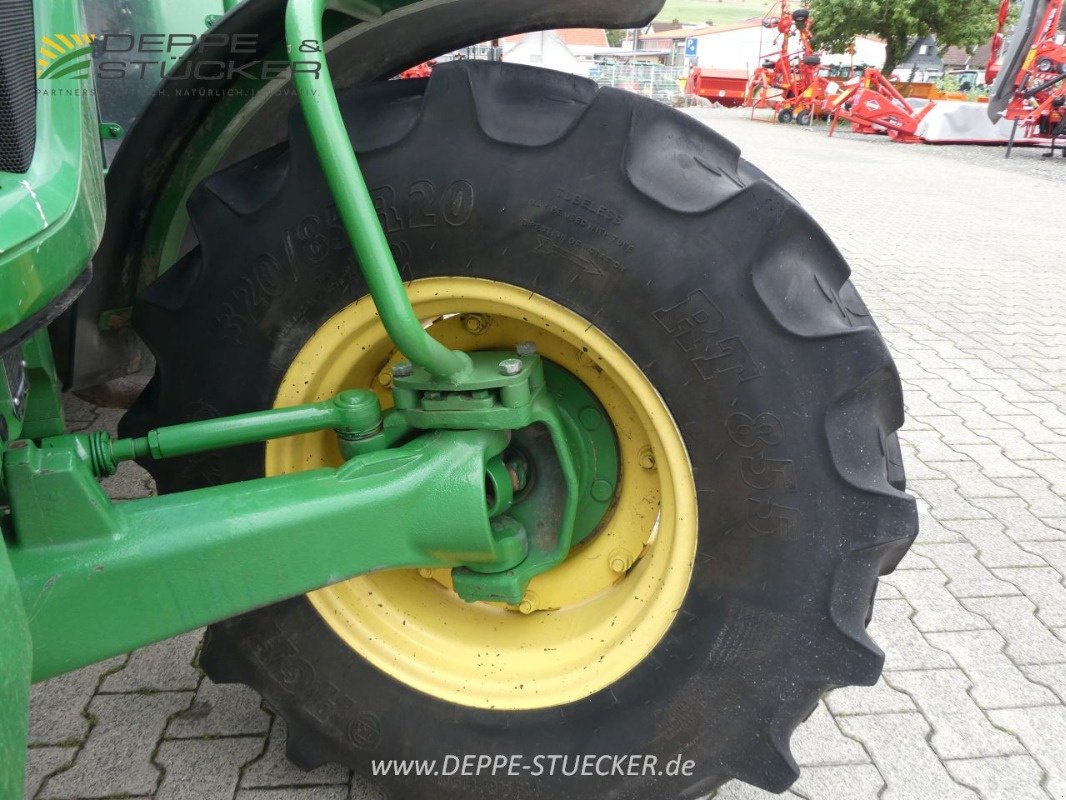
(1030, 78)
(872, 104)
(790, 80)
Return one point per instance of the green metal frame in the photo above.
(98, 578)
(318, 100)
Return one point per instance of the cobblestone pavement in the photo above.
(948, 251)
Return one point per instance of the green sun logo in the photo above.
(63, 55)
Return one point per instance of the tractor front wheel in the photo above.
(752, 399)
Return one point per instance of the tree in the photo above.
(616, 38)
(961, 23)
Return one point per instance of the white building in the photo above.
(745, 45)
(572, 50)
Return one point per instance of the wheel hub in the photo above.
(584, 623)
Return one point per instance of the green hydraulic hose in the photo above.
(318, 100)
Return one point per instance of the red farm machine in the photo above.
(1030, 78)
(790, 80)
(1027, 106)
(872, 104)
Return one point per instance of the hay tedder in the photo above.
(493, 415)
(789, 81)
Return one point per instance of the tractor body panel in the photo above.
(52, 209)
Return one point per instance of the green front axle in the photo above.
(491, 480)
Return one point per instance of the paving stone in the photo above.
(919, 406)
(1021, 524)
(936, 609)
(887, 592)
(1053, 553)
(904, 646)
(1028, 641)
(1001, 778)
(1043, 732)
(221, 709)
(735, 790)
(274, 769)
(851, 781)
(953, 431)
(945, 502)
(108, 418)
(1054, 472)
(818, 741)
(932, 531)
(116, 758)
(996, 404)
(997, 681)
(994, 547)
(363, 789)
(1049, 413)
(971, 480)
(938, 389)
(129, 482)
(57, 705)
(960, 728)
(164, 666)
(878, 699)
(914, 560)
(917, 469)
(1042, 585)
(912, 771)
(992, 462)
(78, 414)
(42, 762)
(1020, 450)
(975, 418)
(204, 769)
(307, 793)
(932, 448)
(1010, 388)
(1053, 676)
(1034, 430)
(1042, 501)
(967, 576)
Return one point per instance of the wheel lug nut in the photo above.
(528, 604)
(526, 348)
(620, 561)
(647, 458)
(510, 366)
(403, 370)
(475, 323)
(425, 572)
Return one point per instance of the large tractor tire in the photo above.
(752, 398)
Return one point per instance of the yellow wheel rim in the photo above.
(581, 626)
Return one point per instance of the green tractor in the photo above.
(549, 437)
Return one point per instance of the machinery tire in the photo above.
(726, 294)
(785, 116)
(804, 118)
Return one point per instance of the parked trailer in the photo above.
(726, 87)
